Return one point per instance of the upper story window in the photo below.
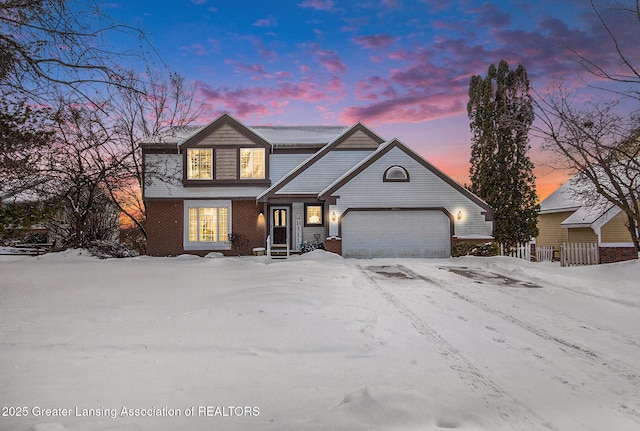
(396, 174)
(199, 164)
(252, 163)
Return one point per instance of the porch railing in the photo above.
(269, 246)
(270, 249)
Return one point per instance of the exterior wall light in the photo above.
(459, 215)
(333, 216)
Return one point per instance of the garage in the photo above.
(396, 233)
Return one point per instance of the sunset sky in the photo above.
(401, 67)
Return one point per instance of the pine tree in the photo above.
(501, 112)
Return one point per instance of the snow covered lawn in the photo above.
(317, 343)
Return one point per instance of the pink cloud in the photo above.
(262, 100)
(330, 60)
(375, 41)
(266, 22)
(411, 107)
(196, 49)
(325, 5)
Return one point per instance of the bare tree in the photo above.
(45, 44)
(601, 147)
(599, 142)
(624, 44)
(82, 158)
(143, 110)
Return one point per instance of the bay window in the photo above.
(207, 225)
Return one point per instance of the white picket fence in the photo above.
(519, 251)
(579, 253)
(544, 254)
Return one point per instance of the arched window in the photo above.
(396, 174)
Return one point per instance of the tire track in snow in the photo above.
(597, 360)
(618, 367)
(497, 399)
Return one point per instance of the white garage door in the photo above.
(415, 233)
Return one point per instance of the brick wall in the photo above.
(334, 245)
(248, 226)
(164, 228)
(617, 254)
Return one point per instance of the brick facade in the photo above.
(165, 227)
(334, 245)
(617, 254)
(248, 226)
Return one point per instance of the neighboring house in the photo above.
(563, 218)
(343, 187)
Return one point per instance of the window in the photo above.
(251, 163)
(396, 174)
(207, 224)
(199, 164)
(313, 215)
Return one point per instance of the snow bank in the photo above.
(318, 342)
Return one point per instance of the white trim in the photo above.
(218, 245)
(615, 244)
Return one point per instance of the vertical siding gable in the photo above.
(226, 160)
(359, 140)
(223, 131)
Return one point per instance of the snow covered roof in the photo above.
(277, 136)
(565, 200)
(299, 135)
(561, 200)
(319, 155)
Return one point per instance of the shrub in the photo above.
(467, 248)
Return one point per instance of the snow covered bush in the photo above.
(468, 248)
(109, 249)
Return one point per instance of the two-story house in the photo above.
(211, 187)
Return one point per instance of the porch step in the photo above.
(281, 252)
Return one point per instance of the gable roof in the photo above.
(562, 199)
(384, 149)
(314, 137)
(299, 136)
(225, 119)
(358, 127)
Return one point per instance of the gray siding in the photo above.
(282, 164)
(168, 182)
(425, 190)
(324, 171)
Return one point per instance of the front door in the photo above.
(279, 225)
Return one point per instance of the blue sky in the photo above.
(402, 67)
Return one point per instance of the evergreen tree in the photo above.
(501, 112)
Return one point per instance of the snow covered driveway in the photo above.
(317, 342)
